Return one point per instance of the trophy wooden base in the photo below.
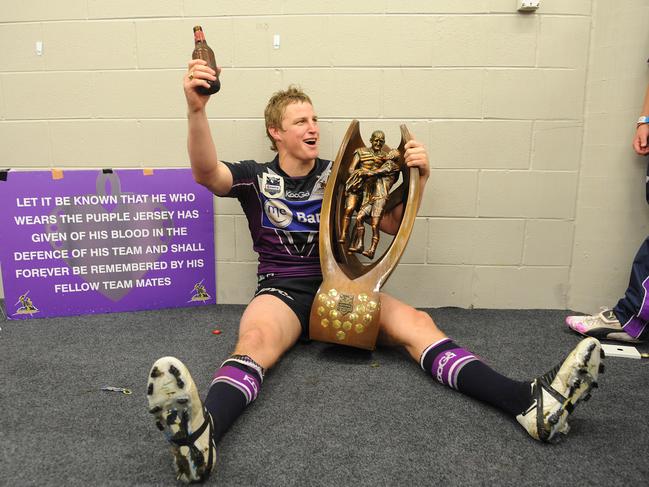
(345, 313)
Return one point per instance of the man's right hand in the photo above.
(198, 72)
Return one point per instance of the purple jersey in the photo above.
(283, 215)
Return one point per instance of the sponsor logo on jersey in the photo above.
(272, 185)
(297, 194)
(278, 214)
(292, 216)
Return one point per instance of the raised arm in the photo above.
(206, 167)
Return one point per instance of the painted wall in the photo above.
(536, 199)
(612, 218)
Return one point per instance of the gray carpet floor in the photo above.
(326, 415)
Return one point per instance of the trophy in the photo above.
(365, 182)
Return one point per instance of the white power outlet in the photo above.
(528, 5)
(620, 351)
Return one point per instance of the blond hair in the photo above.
(276, 106)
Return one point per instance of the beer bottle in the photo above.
(204, 52)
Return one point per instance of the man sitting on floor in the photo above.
(289, 276)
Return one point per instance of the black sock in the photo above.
(235, 385)
(461, 370)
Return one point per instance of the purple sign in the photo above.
(93, 241)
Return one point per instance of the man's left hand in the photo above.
(417, 156)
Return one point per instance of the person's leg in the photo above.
(378, 208)
(627, 321)
(350, 205)
(374, 225)
(632, 311)
(268, 328)
(446, 361)
(359, 240)
(547, 399)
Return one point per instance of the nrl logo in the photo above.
(272, 186)
(345, 303)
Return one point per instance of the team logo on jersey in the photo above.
(278, 213)
(272, 185)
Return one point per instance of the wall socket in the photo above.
(528, 5)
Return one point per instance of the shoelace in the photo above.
(549, 376)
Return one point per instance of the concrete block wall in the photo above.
(612, 217)
(500, 98)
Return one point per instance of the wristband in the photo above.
(643, 119)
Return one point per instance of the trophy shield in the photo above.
(364, 182)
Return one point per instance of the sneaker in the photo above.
(556, 393)
(174, 401)
(603, 326)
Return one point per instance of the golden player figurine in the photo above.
(373, 171)
(347, 305)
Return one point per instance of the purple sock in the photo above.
(461, 370)
(235, 385)
(447, 361)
